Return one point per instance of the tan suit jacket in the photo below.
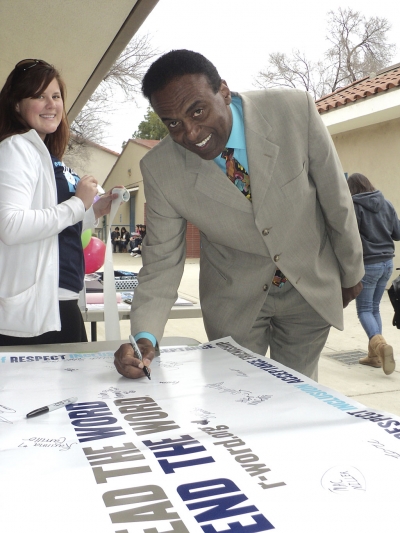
(301, 220)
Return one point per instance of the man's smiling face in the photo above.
(197, 118)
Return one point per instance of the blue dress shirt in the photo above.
(237, 138)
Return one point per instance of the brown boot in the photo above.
(371, 359)
(384, 351)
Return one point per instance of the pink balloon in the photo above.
(94, 255)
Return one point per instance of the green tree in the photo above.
(151, 127)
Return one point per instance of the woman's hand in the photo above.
(103, 205)
(86, 190)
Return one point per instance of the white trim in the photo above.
(378, 108)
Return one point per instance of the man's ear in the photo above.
(225, 91)
(17, 107)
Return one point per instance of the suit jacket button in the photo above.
(265, 288)
(276, 257)
(265, 231)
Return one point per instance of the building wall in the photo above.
(92, 160)
(375, 152)
(126, 172)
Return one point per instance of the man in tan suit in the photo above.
(296, 220)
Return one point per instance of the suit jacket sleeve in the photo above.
(335, 200)
(164, 252)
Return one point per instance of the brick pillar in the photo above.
(192, 239)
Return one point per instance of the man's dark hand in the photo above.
(130, 366)
(351, 293)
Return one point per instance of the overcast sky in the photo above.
(238, 35)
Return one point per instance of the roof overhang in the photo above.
(82, 38)
(377, 108)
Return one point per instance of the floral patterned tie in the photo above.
(237, 173)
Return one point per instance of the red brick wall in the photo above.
(192, 239)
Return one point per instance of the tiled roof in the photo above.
(384, 80)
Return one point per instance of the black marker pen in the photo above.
(138, 354)
(51, 407)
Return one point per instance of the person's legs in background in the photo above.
(367, 303)
(136, 247)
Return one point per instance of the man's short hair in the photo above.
(175, 64)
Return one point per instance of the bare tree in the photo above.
(121, 84)
(295, 72)
(358, 46)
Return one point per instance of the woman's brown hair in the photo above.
(359, 183)
(30, 82)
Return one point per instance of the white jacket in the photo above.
(30, 221)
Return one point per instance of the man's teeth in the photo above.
(204, 142)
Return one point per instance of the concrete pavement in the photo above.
(338, 369)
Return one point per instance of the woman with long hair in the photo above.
(379, 226)
(44, 207)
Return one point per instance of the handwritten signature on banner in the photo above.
(43, 442)
(239, 372)
(382, 447)
(247, 396)
(6, 410)
(169, 364)
(114, 392)
(343, 480)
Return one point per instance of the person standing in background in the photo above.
(379, 226)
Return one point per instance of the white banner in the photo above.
(219, 440)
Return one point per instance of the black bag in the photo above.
(394, 296)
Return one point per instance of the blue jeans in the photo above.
(367, 302)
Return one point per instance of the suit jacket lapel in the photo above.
(261, 153)
(215, 184)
